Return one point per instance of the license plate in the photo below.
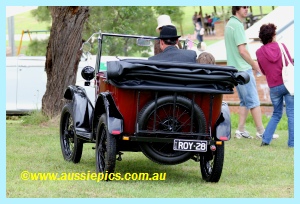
(190, 145)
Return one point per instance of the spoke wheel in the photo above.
(71, 146)
(171, 120)
(211, 164)
(105, 149)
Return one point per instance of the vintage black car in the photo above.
(171, 112)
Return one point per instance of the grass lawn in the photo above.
(188, 27)
(23, 47)
(249, 171)
(25, 21)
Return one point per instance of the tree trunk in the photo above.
(63, 54)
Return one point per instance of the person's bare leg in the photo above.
(243, 111)
(256, 114)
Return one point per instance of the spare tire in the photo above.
(170, 118)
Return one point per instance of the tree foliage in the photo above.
(42, 14)
(133, 20)
(174, 12)
(140, 20)
(37, 47)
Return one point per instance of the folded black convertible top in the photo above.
(174, 76)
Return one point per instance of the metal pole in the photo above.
(11, 35)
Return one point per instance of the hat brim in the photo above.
(168, 37)
(161, 25)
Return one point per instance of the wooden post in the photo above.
(200, 8)
(181, 29)
(224, 16)
(20, 45)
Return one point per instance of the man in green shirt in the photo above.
(239, 57)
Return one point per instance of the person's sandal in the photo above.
(260, 136)
(245, 134)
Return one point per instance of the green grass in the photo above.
(34, 118)
(282, 125)
(249, 171)
(25, 21)
(188, 27)
(23, 47)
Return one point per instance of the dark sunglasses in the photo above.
(245, 7)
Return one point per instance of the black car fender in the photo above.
(82, 109)
(106, 104)
(223, 124)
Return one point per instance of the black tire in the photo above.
(163, 153)
(105, 148)
(71, 146)
(211, 164)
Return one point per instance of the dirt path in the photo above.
(205, 37)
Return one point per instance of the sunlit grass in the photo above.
(188, 27)
(27, 22)
(249, 171)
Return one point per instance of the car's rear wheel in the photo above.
(71, 146)
(211, 164)
(172, 120)
(105, 149)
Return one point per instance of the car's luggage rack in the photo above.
(174, 76)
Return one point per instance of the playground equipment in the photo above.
(28, 32)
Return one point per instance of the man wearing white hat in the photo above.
(163, 20)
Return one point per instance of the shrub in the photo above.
(34, 118)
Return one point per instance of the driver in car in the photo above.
(168, 39)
